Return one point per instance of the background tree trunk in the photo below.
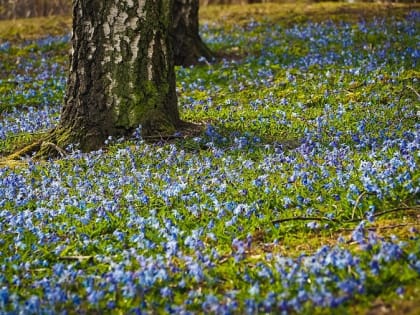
(187, 43)
(121, 73)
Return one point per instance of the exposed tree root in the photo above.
(16, 158)
(25, 151)
(185, 130)
(34, 149)
(51, 145)
(55, 147)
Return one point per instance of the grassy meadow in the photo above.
(302, 195)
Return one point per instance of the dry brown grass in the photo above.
(33, 28)
(283, 13)
(289, 13)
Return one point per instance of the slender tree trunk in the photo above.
(121, 72)
(187, 43)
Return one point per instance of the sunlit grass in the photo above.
(311, 129)
(34, 28)
(287, 14)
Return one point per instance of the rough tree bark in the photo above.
(121, 73)
(187, 43)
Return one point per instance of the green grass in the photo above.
(271, 103)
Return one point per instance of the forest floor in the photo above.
(301, 196)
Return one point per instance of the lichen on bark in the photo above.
(122, 72)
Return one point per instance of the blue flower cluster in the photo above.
(32, 85)
(191, 226)
(31, 120)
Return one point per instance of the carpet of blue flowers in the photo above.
(313, 133)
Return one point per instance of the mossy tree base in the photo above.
(121, 74)
(27, 150)
(56, 143)
(50, 146)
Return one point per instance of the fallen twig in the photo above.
(80, 258)
(301, 218)
(407, 208)
(162, 137)
(378, 214)
(304, 219)
(415, 92)
(385, 227)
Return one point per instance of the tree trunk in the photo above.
(121, 73)
(187, 43)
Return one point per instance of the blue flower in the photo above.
(313, 225)
(358, 234)
(166, 292)
(4, 297)
(33, 305)
(211, 304)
